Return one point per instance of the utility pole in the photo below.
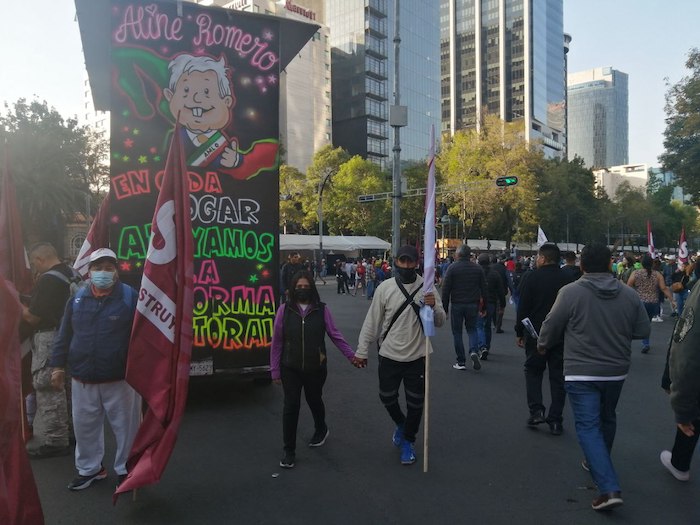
(398, 117)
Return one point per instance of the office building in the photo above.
(598, 117)
(505, 57)
(362, 33)
(668, 178)
(610, 179)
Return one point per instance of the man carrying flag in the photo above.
(161, 342)
(93, 343)
(395, 322)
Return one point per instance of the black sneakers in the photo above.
(83, 482)
(536, 419)
(288, 460)
(319, 438)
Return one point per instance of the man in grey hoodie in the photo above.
(597, 317)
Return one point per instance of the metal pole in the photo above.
(321, 186)
(396, 171)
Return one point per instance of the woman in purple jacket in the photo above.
(298, 359)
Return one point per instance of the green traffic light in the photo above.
(506, 181)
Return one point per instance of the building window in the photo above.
(76, 243)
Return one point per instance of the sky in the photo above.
(647, 39)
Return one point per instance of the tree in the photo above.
(682, 134)
(292, 187)
(472, 161)
(326, 163)
(56, 165)
(567, 205)
(345, 215)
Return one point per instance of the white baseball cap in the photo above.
(102, 253)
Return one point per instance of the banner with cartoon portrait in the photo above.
(216, 71)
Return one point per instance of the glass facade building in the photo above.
(598, 117)
(504, 57)
(362, 55)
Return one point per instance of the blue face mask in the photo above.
(102, 280)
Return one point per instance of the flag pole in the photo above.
(426, 312)
(426, 414)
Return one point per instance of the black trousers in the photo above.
(292, 383)
(535, 365)
(684, 446)
(412, 373)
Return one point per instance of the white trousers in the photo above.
(91, 403)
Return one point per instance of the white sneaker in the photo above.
(657, 319)
(458, 366)
(666, 462)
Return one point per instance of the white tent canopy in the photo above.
(339, 243)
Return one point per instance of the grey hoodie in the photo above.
(597, 317)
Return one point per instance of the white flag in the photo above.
(541, 237)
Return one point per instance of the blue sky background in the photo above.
(647, 39)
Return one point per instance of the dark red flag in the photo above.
(19, 499)
(97, 237)
(14, 265)
(158, 365)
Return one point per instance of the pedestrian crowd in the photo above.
(576, 320)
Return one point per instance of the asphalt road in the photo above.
(485, 465)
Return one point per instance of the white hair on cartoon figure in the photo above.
(188, 63)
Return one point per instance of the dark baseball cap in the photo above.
(409, 252)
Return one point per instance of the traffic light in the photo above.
(502, 182)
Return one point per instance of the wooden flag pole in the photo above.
(426, 405)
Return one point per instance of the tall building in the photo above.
(505, 57)
(610, 179)
(362, 33)
(305, 85)
(598, 117)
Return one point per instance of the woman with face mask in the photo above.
(298, 359)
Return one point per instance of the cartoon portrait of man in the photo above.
(200, 96)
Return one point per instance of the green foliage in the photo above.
(567, 198)
(682, 134)
(472, 161)
(54, 162)
(292, 187)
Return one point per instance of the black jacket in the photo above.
(538, 291)
(464, 283)
(496, 291)
(304, 338)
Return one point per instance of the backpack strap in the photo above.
(58, 275)
(406, 303)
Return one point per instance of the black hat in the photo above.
(407, 251)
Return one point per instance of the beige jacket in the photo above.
(405, 341)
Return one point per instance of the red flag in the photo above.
(14, 265)
(97, 237)
(19, 499)
(158, 366)
(682, 249)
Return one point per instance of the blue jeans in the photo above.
(680, 300)
(464, 314)
(483, 327)
(653, 309)
(593, 404)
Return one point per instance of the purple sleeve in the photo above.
(277, 343)
(336, 336)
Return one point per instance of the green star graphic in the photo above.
(143, 159)
(156, 158)
(126, 158)
(136, 131)
(117, 155)
(126, 113)
(139, 265)
(259, 266)
(253, 278)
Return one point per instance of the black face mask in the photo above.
(303, 295)
(406, 275)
